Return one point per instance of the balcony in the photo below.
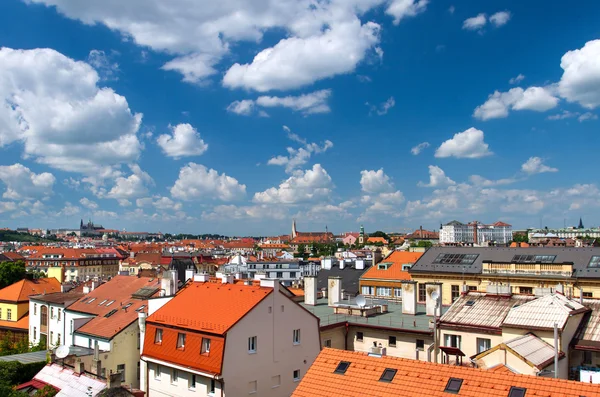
(529, 269)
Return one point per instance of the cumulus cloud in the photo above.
(196, 182)
(539, 99)
(419, 148)
(437, 178)
(500, 18)
(166, 204)
(382, 108)
(311, 103)
(22, 183)
(375, 182)
(535, 165)
(68, 210)
(400, 9)
(302, 186)
(7, 206)
(517, 79)
(244, 107)
(89, 204)
(246, 212)
(580, 81)
(566, 114)
(298, 157)
(467, 144)
(135, 185)
(61, 115)
(380, 195)
(475, 23)
(106, 68)
(184, 141)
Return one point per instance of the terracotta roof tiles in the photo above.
(21, 290)
(394, 271)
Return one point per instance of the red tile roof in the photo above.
(420, 378)
(393, 272)
(13, 256)
(21, 290)
(21, 324)
(377, 240)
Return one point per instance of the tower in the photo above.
(361, 237)
(294, 232)
(580, 224)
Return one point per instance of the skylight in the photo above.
(388, 375)
(91, 300)
(141, 308)
(109, 303)
(533, 258)
(110, 313)
(517, 392)
(455, 259)
(595, 261)
(469, 303)
(342, 367)
(453, 385)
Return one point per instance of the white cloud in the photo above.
(478, 180)
(375, 182)
(419, 148)
(498, 104)
(535, 165)
(580, 81)
(89, 204)
(106, 68)
(165, 204)
(23, 183)
(303, 186)
(466, 144)
(102, 214)
(475, 23)
(500, 18)
(244, 107)
(124, 202)
(451, 9)
(381, 196)
(68, 210)
(587, 116)
(565, 114)
(298, 61)
(61, 115)
(184, 141)
(234, 212)
(143, 202)
(437, 178)
(312, 103)
(197, 182)
(7, 206)
(383, 108)
(133, 186)
(400, 9)
(298, 157)
(517, 79)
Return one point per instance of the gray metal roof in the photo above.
(589, 333)
(543, 312)
(532, 349)
(350, 278)
(26, 358)
(580, 257)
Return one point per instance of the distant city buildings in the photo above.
(456, 232)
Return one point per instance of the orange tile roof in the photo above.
(119, 289)
(228, 304)
(420, 378)
(21, 290)
(13, 256)
(393, 272)
(501, 368)
(21, 324)
(376, 240)
(296, 291)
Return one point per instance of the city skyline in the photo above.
(392, 114)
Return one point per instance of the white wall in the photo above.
(165, 385)
(55, 326)
(72, 322)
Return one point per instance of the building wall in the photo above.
(272, 321)
(165, 385)
(55, 328)
(335, 336)
(468, 340)
(124, 349)
(406, 343)
(16, 310)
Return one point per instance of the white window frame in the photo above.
(296, 336)
(252, 344)
(296, 378)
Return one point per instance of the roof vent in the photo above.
(388, 375)
(342, 367)
(517, 391)
(453, 385)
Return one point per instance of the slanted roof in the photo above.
(478, 309)
(543, 313)
(394, 270)
(532, 349)
(59, 297)
(420, 378)
(21, 324)
(350, 277)
(588, 334)
(68, 382)
(21, 290)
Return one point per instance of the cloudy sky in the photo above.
(238, 115)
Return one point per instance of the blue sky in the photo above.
(236, 116)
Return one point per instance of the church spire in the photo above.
(294, 232)
(580, 224)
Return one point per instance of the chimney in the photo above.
(421, 231)
(326, 263)
(310, 290)
(334, 292)
(409, 297)
(113, 381)
(269, 282)
(132, 254)
(79, 368)
(560, 288)
(259, 276)
(86, 289)
(227, 279)
(201, 277)
(189, 273)
(94, 285)
(465, 289)
(359, 264)
(96, 363)
(342, 264)
(430, 303)
(169, 282)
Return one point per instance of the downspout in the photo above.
(346, 338)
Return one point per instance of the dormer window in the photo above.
(158, 334)
(205, 346)
(181, 341)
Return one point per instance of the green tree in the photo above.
(379, 233)
(423, 243)
(8, 391)
(301, 248)
(520, 238)
(11, 272)
(46, 391)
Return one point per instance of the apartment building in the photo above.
(105, 321)
(522, 270)
(355, 374)
(384, 280)
(456, 232)
(47, 319)
(244, 339)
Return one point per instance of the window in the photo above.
(296, 375)
(296, 337)
(51, 312)
(483, 344)
(455, 259)
(9, 314)
(42, 316)
(110, 313)
(422, 292)
(157, 372)
(158, 336)
(366, 290)
(34, 333)
(121, 370)
(252, 344)
(388, 375)
(205, 346)
(454, 292)
(533, 258)
(181, 341)
(275, 381)
(110, 303)
(58, 340)
(517, 392)
(174, 375)
(472, 288)
(192, 381)
(587, 357)
(35, 309)
(452, 341)
(384, 291)
(138, 370)
(453, 385)
(58, 314)
(252, 386)
(51, 336)
(595, 261)
(526, 290)
(420, 344)
(90, 301)
(327, 343)
(588, 295)
(359, 336)
(397, 292)
(138, 341)
(282, 308)
(212, 388)
(392, 341)
(279, 274)
(342, 367)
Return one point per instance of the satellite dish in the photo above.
(361, 300)
(62, 351)
(435, 295)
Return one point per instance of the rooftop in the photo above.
(58, 297)
(68, 382)
(363, 375)
(543, 313)
(588, 335)
(532, 349)
(22, 290)
(394, 271)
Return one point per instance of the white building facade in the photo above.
(475, 233)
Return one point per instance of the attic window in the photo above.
(453, 385)
(533, 258)
(342, 367)
(141, 308)
(469, 303)
(388, 375)
(110, 303)
(595, 261)
(127, 305)
(455, 259)
(91, 300)
(181, 341)
(103, 302)
(517, 391)
(382, 266)
(110, 313)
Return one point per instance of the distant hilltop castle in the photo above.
(90, 229)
